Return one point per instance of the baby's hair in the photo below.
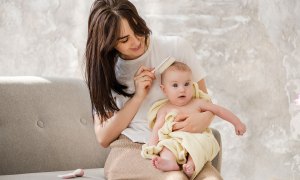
(180, 66)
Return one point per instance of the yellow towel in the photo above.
(202, 147)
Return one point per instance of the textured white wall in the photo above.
(43, 37)
(250, 48)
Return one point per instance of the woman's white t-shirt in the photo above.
(160, 47)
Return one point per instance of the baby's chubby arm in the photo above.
(223, 113)
(160, 120)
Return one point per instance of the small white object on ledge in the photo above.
(74, 174)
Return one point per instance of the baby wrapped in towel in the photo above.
(170, 149)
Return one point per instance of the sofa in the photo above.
(46, 129)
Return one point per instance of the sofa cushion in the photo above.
(46, 125)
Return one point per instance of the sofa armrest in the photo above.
(217, 161)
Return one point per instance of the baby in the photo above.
(177, 85)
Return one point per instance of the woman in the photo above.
(120, 55)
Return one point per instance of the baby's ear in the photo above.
(162, 87)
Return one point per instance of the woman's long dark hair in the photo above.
(101, 56)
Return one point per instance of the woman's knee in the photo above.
(208, 173)
(171, 175)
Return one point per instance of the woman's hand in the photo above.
(143, 79)
(194, 123)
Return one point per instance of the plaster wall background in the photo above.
(250, 49)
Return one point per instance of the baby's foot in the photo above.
(188, 169)
(164, 165)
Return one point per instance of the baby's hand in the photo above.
(240, 129)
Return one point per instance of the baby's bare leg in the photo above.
(189, 167)
(166, 161)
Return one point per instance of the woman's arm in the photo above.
(112, 128)
(202, 85)
(196, 122)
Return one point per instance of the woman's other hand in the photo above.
(143, 79)
(194, 123)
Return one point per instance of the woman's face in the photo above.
(129, 45)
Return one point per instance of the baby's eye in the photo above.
(187, 84)
(175, 85)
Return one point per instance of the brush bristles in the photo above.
(166, 64)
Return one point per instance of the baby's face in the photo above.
(177, 86)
